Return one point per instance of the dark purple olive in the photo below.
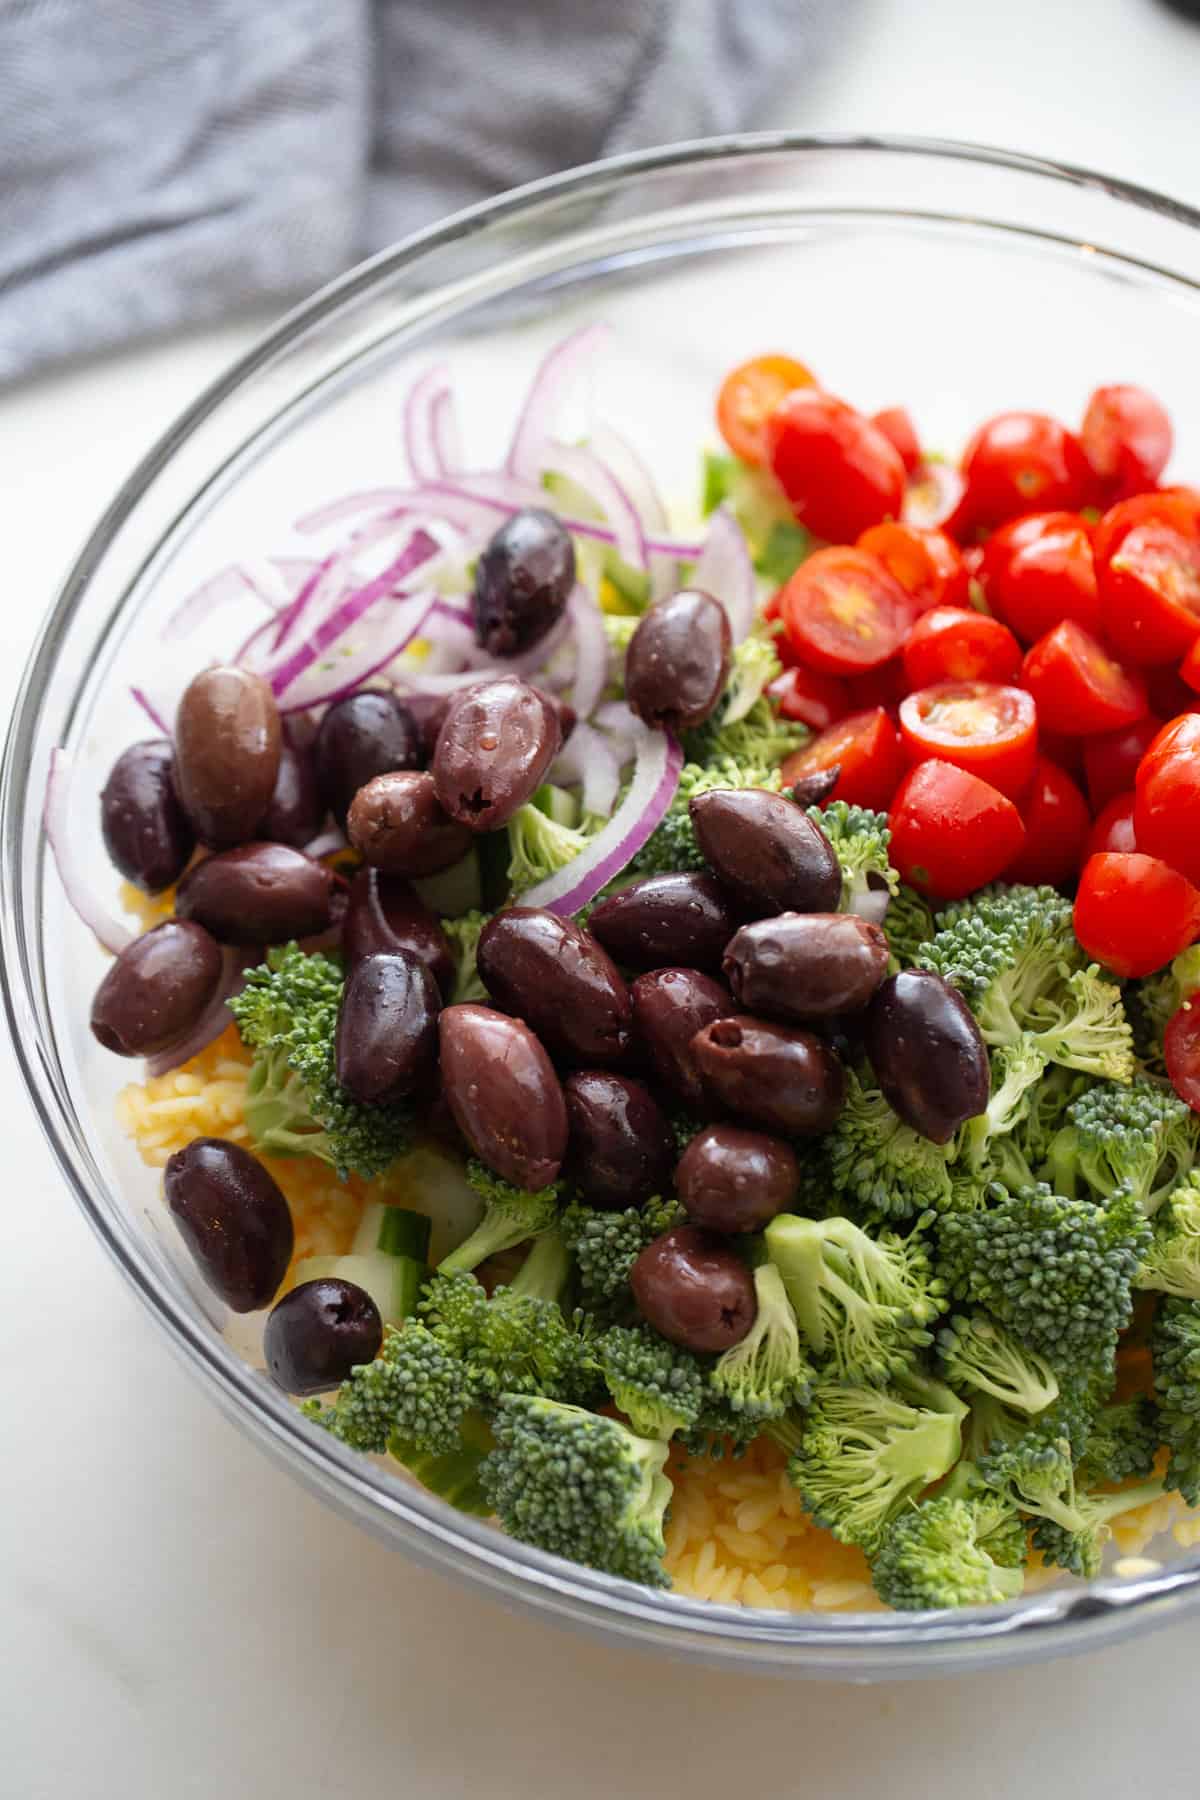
(766, 851)
(694, 1290)
(730, 1179)
(621, 1149)
(397, 822)
(815, 787)
(387, 1027)
(363, 736)
(560, 981)
(777, 1075)
(667, 919)
(427, 712)
(677, 662)
(297, 810)
(806, 965)
(493, 751)
(316, 1334)
(504, 1094)
(146, 831)
(522, 580)
(233, 1219)
(927, 1052)
(156, 989)
(228, 741)
(669, 1007)
(258, 894)
(385, 913)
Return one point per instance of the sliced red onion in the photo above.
(582, 466)
(345, 672)
(872, 906)
(531, 661)
(444, 433)
(295, 570)
(591, 651)
(616, 718)
(538, 416)
(725, 571)
(349, 506)
(420, 549)
(326, 843)
(932, 495)
(457, 611)
(140, 696)
(659, 759)
(587, 758)
(232, 583)
(420, 446)
(635, 477)
(56, 820)
(451, 647)
(212, 1021)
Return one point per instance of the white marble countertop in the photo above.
(176, 1617)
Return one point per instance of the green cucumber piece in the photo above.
(404, 1233)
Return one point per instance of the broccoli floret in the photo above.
(752, 667)
(1000, 1528)
(978, 1355)
(1017, 1070)
(415, 1388)
(909, 926)
(1154, 1002)
(1077, 1526)
(658, 1387)
(768, 1372)
(463, 934)
(1140, 1138)
(935, 1555)
(875, 1161)
(287, 1015)
(1122, 1443)
(607, 1244)
(1091, 1032)
(1172, 1263)
(1175, 1352)
(539, 846)
(518, 1341)
(1057, 1272)
(761, 508)
(580, 1486)
(511, 1216)
(761, 740)
(672, 846)
(863, 1303)
(860, 840)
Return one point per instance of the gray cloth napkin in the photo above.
(165, 162)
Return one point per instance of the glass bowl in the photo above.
(958, 281)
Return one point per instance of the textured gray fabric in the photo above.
(165, 162)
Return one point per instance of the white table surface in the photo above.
(176, 1617)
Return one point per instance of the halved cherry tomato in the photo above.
(1038, 571)
(1023, 462)
(749, 394)
(928, 566)
(951, 643)
(866, 746)
(1078, 687)
(1150, 590)
(1113, 829)
(1181, 1052)
(951, 832)
(1111, 760)
(1179, 737)
(900, 431)
(814, 700)
(1166, 814)
(1133, 913)
(933, 497)
(1126, 437)
(885, 686)
(976, 725)
(838, 470)
(1056, 826)
(844, 613)
(1178, 507)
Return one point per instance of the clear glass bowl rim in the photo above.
(864, 1645)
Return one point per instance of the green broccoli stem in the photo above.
(546, 1270)
(494, 1233)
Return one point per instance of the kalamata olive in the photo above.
(522, 579)
(927, 1052)
(806, 965)
(568, 718)
(766, 850)
(146, 831)
(233, 1218)
(621, 1149)
(694, 1290)
(559, 980)
(427, 712)
(363, 736)
(677, 662)
(815, 787)
(257, 894)
(297, 810)
(667, 919)
(493, 751)
(777, 1075)
(228, 741)
(730, 1179)
(156, 988)
(669, 1007)
(503, 1093)
(387, 1026)
(398, 824)
(316, 1334)
(385, 913)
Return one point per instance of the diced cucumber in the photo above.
(404, 1233)
(453, 891)
(393, 1282)
(366, 1238)
(434, 1184)
(557, 804)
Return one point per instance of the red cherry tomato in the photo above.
(1022, 462)
(1181, 1052)
(1067, 752)
(1179, 737)
(1113, 829)
(1169, 693)
(953, 644)
(885, 686)
(838, 470)
(1189, 668)
(1133, 913)
(976, 725)
(1166, 813)
(928, 566)
(1056, 827)
(951, 832)
(1078, 687)
(1178, 507)
(844, 613)
(1111, 760)
(814, 700)
(1150, 592)
(1126, 437)
(933, 497)
(901, 433)
(1037, 571)
(866, 747)
(749, 394)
